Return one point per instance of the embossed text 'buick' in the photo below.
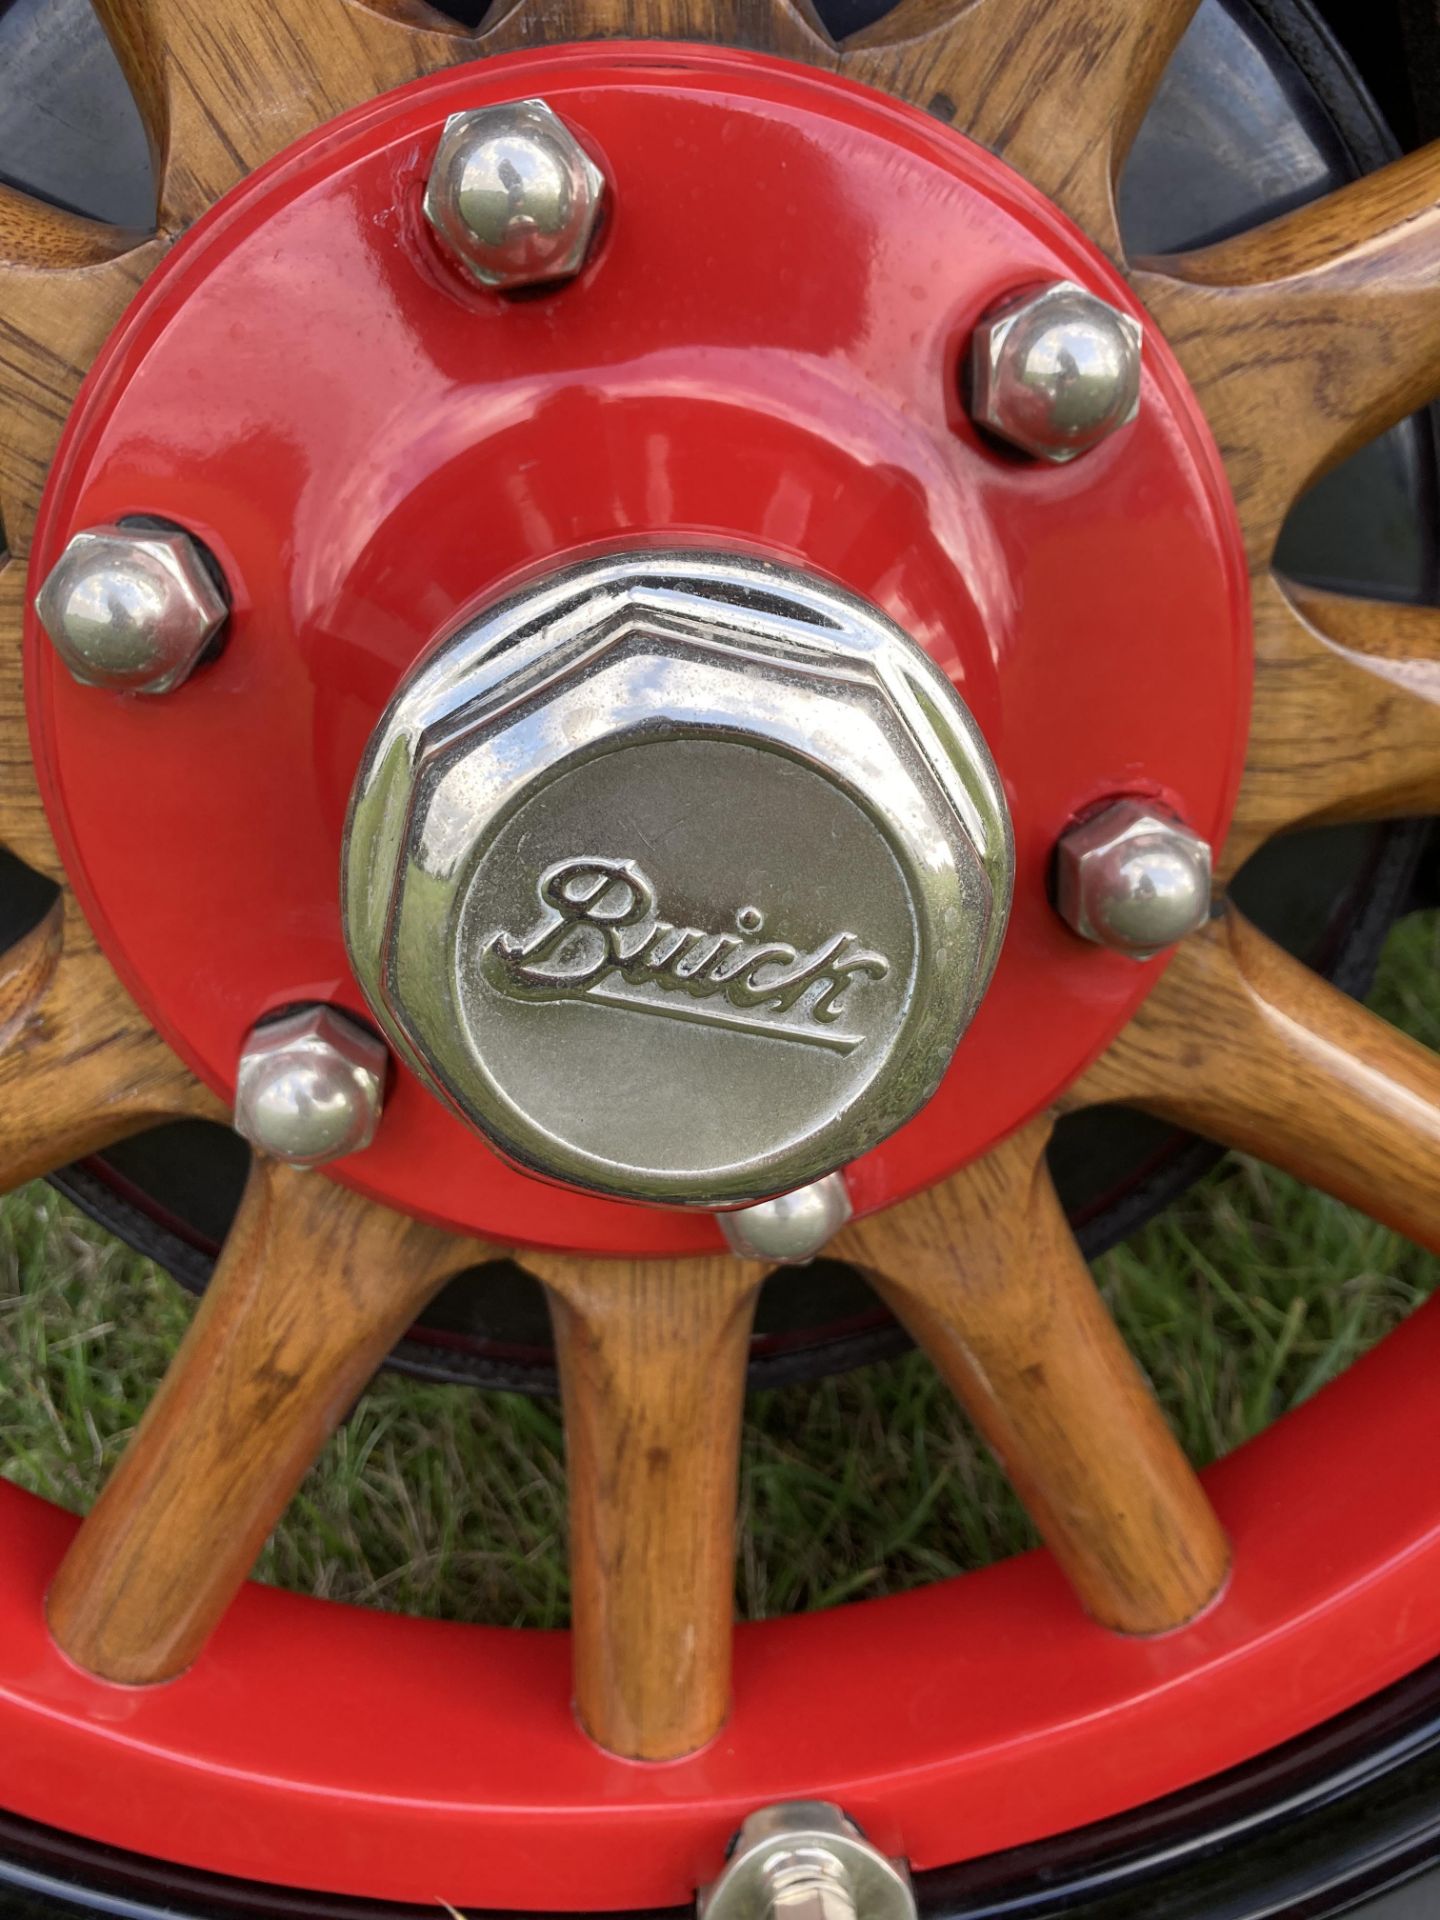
(600, 938)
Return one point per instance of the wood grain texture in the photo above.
(222, 88)
(652, 1368)
(64, 282)
(24, 828)
(1249, 1047)
(1055, 87)
(1346, 717)
(787, 27)
(985, 1273)
(313, 1289)
(80, 1066)
(1308, 336)
(27, 970)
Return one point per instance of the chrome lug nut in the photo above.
(310, 1087)
(1055, 371)
(513, 197)
(803, 1860)
(1134, 878)
(792, 1228)
(131, 610)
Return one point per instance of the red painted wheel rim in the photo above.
(363, 1753)
(320, 1746)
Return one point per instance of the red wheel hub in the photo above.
(764, 351)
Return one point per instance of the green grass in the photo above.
(1241, 1302)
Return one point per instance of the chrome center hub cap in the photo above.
(678, 875)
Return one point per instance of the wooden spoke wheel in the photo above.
(141, 1679)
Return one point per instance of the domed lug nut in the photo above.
(133, 611)
(804, 1860)
(1134, 878)
(310, 1087)
(513, 197)
(791, 1229)
(1055, 371)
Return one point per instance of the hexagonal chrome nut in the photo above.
(131, 610)
(1134, 878)
(678, 876)
(1055, 370)
(310, 1087)
(512, 196)
(805, 1860)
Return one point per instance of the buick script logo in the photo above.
(600, 937)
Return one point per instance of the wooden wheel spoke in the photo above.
(787, 27)
(1247, 1046)
(313, 1289)
(64, 282)
(1311, 335)
(80, 1066)
(223, 89)
(24, 828)
(652, 1366)
(996, 69)
(986, 1275)
(1346, 721)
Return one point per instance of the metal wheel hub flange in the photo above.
(374, 447)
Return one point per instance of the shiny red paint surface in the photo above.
(371, 448)
(327, 1747)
